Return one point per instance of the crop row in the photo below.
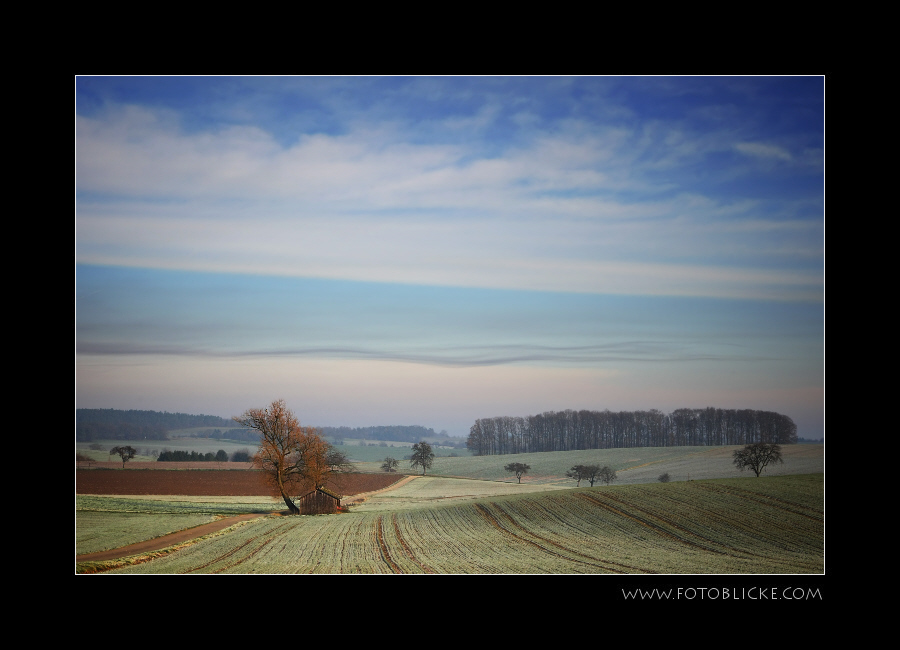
(697, 527)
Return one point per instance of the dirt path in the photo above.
(188, 534)
(159, 543)
(359, 498)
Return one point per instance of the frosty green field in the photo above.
(633, 465)
(470, 516)
(735, 526)
(99, 531)
(437, 490)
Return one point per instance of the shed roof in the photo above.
(323, 491)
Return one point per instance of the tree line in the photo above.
(220, 456)
(397, 433)
(115, 424)
(243, 435)
(571, 430)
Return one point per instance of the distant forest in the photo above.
(396, 433)
(570, 430)
(113, 424)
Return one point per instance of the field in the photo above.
(190, 481)
(634, 465)
(365, 451)
(449, 524)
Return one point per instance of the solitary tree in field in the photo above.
(126, 453)
(337, 460)
(518, 468)
(757, 456)
(294, 459)
(664, 478)
(390, 464)
(421, 456)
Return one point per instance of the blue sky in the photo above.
(433, 250)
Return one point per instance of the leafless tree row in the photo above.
(570, 430)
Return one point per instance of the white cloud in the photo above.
(572, 209)
(472, 253)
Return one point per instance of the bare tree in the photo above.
(757, 456)
(606, 474)
(584, 473)
(337, 460)
(592, 473)
(421, 456)
(578, 472)
(126, 453)
(518, 468)
(293, 458)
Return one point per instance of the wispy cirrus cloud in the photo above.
(762, 150)
(371, 204)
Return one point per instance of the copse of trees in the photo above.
(572, 430)
(591, 473)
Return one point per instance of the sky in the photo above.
(433, 250)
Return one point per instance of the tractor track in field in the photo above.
(362, 496)
(269, 537)
(788, 506)
(654, 522)
(669, 528)
(564, 552)
(382, 546)
(405, 546)
(102, 483)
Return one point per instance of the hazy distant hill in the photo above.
(113, 424)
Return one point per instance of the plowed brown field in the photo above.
(208, 482)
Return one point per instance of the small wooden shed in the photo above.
(320, 501)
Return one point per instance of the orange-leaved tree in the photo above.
(295, 459)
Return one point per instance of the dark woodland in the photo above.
(114, 424)
(570, 430)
